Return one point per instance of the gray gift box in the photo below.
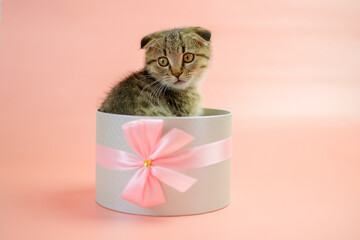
(212, 189)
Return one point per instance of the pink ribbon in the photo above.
(160, 160)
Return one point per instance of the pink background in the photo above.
(288, 70)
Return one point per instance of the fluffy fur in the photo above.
(176, 61)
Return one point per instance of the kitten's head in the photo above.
(179, 57)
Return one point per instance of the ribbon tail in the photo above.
(172, 178)
(144, 189)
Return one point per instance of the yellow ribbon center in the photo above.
(147, 163)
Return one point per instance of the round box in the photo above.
(210, 192)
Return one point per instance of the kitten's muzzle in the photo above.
(177, 74)
(177, 71)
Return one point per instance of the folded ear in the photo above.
(146, 41)
(204, 34)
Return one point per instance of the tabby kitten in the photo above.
(176, 60)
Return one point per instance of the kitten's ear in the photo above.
(146, 41)
(204, 34)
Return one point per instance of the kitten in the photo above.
(176, 61)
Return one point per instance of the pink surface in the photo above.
(289, 71)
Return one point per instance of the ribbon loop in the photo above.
(174, 179)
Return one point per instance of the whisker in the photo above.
(153, 93)
(148, 85)
(160, 92)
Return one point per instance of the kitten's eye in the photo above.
(163, 61)
(188, 57)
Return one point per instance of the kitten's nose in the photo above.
(177, 74)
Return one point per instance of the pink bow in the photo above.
(160, 159)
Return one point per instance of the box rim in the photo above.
(221, 113)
